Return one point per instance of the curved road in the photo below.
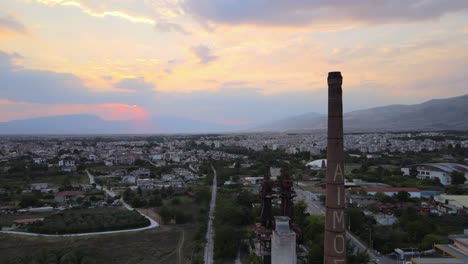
(209, 247)
(153, 223)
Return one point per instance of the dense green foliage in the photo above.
(313, 227)
(458, 177)
(233, 213)
(412, 229)
(72, 222)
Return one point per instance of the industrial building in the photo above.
(439, 171)
(456, 253)
(278, 237)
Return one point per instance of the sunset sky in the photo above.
(225, 61)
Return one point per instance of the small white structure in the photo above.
(317, 164)
(156, 157)
(283, 242)
(66, 163)
(40, 161)
(39, 186)
(275, 172)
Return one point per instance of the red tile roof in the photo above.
(28, 221)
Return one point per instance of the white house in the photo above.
(156, 157)
(39, 161)
(39, 186)
(66, 163)
(439, 171)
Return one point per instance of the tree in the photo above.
(181, 217)
(166, 214)
(356, 219)
(457, 177)
(403, 196)
(226, 243)
(429, 240)
(413, 171)
(155, 200)
(137, 202)
(29, 200)
(300, 212)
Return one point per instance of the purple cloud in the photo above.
(11, 23)
(303, 12)
(204, 54)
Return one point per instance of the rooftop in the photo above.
(447, 167)
(391, 189)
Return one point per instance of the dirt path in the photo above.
(180, 246)
(209, 247)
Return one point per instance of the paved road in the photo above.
(93, 181)
(314, 206)
(209, 247)
(180, 246)
(192, 168)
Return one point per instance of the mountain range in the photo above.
(436, 114)
(90, 124)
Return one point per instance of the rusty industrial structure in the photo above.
(278, 238)
(271, 193)
(335, 233)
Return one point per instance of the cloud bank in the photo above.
(306, 12)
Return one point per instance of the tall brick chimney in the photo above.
(335, 233)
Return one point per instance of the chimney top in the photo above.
(334, 75)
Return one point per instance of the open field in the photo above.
(152, 246)
(53, 180)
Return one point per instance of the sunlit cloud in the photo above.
(91, 12)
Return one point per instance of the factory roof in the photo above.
(446, 167)
(458, 199)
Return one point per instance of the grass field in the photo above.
(152, 246)
(53, 180)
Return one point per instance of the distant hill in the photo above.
(437, 114)
(90, 124)
(304, 121)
